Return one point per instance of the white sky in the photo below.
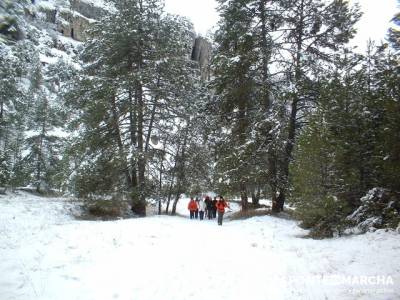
(202, 12)
(374, 23)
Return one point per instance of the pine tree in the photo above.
(27, 102)
(345, 149)
(312, 31)
(137, 76)
(387, 90)
(242, 86)
(42, 146)
(14, 69)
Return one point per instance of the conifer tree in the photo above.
(14, 69)
(312, 31)
(242, 86)
(42, 146)
(350, 143)
(138, 76)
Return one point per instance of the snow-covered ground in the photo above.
(46, 254)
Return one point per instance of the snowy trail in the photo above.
(45, 254)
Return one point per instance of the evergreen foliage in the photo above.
(379, 209)
(345, 149)
(138, 82)
(266, 51)
(30, 110)
(243, 97)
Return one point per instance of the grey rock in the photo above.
(201, 53)
(87, 9)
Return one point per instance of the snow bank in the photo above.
(48, 255)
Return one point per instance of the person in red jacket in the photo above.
(221, 205)
(192, 207)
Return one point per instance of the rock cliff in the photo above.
(70, 18)
(202, 54)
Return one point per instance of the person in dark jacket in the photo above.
(221, 205)
(209, 206)
(196, 212)
(214, 210)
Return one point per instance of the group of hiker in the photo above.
(207, 208)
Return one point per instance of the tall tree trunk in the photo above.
(273, 181)
(159, 188)
(148, 136)
(169, 195)
(242, 137)
(152, 116)
(39, 163)
(243, 196)
(139, 201)
(266, 53)
(42, 135)
(175, 203)
(181, 170)
(118, 139)
(1, 112)
(280, 201)
(161, 177)
(139, 198)
(255, 196)
(133, 131)
(172, 182)
(170, 192)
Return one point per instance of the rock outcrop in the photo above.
(72, 19)
(87, 9)
(73, 25)
(202, 54)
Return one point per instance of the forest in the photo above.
(284, 109)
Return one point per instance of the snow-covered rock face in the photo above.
(70, 18)
(36, 62)
(73, 25)
(56, 28)
(88, 9)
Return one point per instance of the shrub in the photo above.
(104, 209)
(380, 208)
(324, 217)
